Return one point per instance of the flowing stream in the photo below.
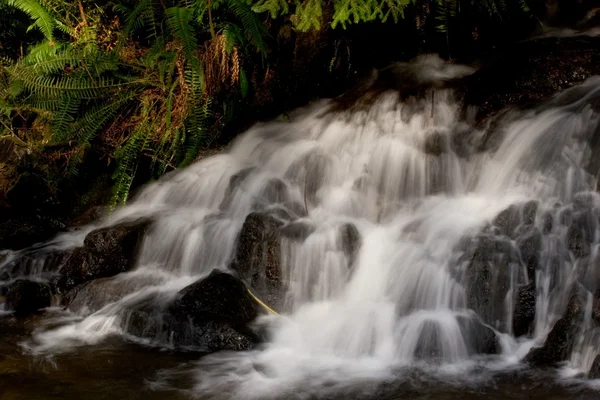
(424, 190)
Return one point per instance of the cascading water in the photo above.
(452, 232)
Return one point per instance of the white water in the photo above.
(403, 300)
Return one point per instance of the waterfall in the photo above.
(452, 225)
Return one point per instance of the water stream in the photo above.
(422, 187)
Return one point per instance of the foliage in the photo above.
(150, 81)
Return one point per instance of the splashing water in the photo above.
(423, 189)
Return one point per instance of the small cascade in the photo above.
(390, 235)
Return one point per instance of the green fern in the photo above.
(273, 7)
(254, 28)
(41, 18)
(196, 131)
(309, 15)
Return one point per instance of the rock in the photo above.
(20, 233)
(211, 314)
(529, 211)
(26, 297)
(576, 241)
(524, 313)
(530, 246)
(350, 242)
(220, 296)
(297, 230)
(487, 265)
(257, 256)
(481, 338)
(560, 340)
(508, 220)
(596, 311)
(235, 185)
(548, 223)
(106, 252)
(594, 372)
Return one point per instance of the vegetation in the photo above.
(150, 83)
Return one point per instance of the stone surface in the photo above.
(106, 252)
(508, 220)
(594, 372)
(559, 343)
(257, 256)
(530, 245)
(481, 338)
(524, 312)
(27, 297)
(487, 264)
(209, 315)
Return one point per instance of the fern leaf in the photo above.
(273, 7)
(254, 28)
(42, 19)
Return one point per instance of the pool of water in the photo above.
(117, 368)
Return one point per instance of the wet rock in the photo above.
(596, 311)
(26, 297)
(19, 233)
(257, 257)
(508, 220)
(275, 191)
(577, 242)
(530, 246)
(436, 144)
(487, 277)
(481, 338)
(91, 296)
(560, 340)
(547, 223)
(106, 252)
(235, 185)
(529, 211)
(350, 241)
(211, 314)
(566, 217)
(524, 313)
(594, 372)
(220, 296)
(297, 230)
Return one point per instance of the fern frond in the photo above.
(41, 18)
(309, 15)
(196, 131)
(90, 123)
(179, 20)
(254, 28)
(65, 114)
(273, 7)
(127, 158)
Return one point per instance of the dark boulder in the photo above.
(220, 296)
(524, 313)
(106, 252)
(529, 211)
(508, 220)
(530, 246)
(350, 242)
(235, 186)
(210, 315)
(560, 340)
(27, 297)
(547, 222)
(594, 372)
(297, 230)
(257, 256)
(480, 338)
(487, 275)
(577, 242)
